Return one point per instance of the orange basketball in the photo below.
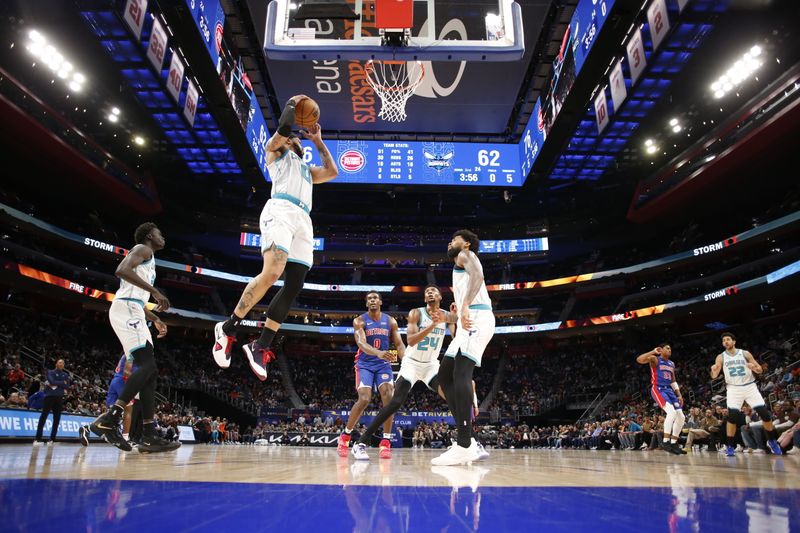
(306, 113)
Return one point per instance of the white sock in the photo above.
(125, 436)
(388, 436)
(347, 431)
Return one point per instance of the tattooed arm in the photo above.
(328, 170)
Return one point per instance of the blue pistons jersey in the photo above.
(377, 332)
(663, 374)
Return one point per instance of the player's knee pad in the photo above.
(145, 360)
(446, 368)
(764, 413)
(679, 416)
(294, 277)
(463, 369)
(736, 417)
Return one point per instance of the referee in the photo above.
(57, 382)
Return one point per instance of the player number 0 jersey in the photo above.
(291, 180)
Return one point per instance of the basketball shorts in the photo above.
(664, 396)
(413, 371)
(373, 376)
(472, 343)
(129, 323)
(114, 390)
(289, 228)
(738, 394)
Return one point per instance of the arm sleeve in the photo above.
(287, 119)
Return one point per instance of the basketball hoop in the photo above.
(394, 82)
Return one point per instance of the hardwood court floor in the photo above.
(294, 489)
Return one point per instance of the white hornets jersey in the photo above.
(291, 180)
(735, 369)
(460, 285)
(427, 349)
(145, 270)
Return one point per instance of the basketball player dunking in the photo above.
(372, 332)
(666, 393)
(475, 330)
(287, 239)
(128, 316)
(738, 366)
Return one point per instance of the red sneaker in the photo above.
(222, 346)
(385, 448)
(258, 357)
(344, 444)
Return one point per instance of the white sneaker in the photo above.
(360, 452)
(457, 455)
(793, 451)
(357, 470)
(482, 453)
(222, 346)
(759, 450)
(461, 476)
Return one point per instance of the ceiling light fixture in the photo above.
(742, 69)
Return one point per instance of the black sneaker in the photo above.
(156, 444)
(107, 427)
(671, 448)
(83, 435)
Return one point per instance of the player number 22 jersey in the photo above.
(427, 349)
(735, 369)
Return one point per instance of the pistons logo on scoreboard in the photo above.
(352, 161)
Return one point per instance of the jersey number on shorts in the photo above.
(736, 371)
(428, 341)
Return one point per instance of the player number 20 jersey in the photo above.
(460, 286)
(427, 349)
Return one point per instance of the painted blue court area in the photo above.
(117, 505)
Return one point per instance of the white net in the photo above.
(394, 82)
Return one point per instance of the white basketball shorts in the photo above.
(413, 371)
(289, 228)
(738, 394)
(472, 343)
(129, 323)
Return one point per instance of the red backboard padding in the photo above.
(394, 13)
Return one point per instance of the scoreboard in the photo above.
(422, 163)
(515, 246)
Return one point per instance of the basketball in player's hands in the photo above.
(306, 112)
(392, 355)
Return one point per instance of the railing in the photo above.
(39, 359)
(247, 406)
(590, 407)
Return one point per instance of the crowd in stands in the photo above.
(538, 376)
